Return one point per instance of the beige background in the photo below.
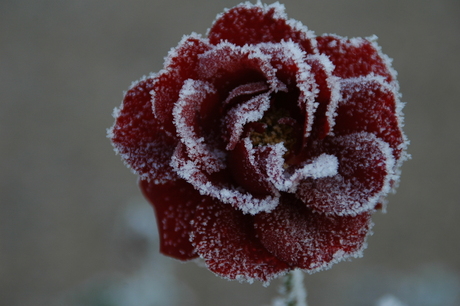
(63, 193)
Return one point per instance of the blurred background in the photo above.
(74, 229)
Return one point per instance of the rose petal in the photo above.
(256, 23)
(293, 70)
(355, 57)
(328, 94)
(179, 66)
(243, 91)
(270, 160)
(371, 105)
(228, 66)
(174, 205)
(225, 239)
(138, 136)
(220, 185)
(366, 168)
(246, 173)
(237, 117)
(188, 115)
(309, 240)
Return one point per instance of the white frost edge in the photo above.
(117, 148)
(212, 160)
(340, 255)
(279, 14)
(237, 197)
(171, 54)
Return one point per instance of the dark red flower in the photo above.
(263, 147)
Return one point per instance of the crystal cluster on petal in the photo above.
(262, 147)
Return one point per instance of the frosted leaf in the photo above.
(389, 300)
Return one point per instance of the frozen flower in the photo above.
(264, 148)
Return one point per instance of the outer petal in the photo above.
(180, 65)
(371, 105)
(228, 66)
(256, 23)
(366, 169)
(174, 205)
(138, 136)
(309, 240)
(226, 240)
(356, 57)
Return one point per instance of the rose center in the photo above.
(275, 126)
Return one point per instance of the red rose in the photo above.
(264, 148)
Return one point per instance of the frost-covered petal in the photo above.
(228, 66)
(309, 240)
(256, 23)
(237, 117)
(270, 160)
(246, 171)
(356, 56)
(293, 69)
(220, 185)
(365, 171)
(328, 95)
(179, 66)
(139, 138)
(174, 205)
(189, 117)
(371, 105)
(224, 237)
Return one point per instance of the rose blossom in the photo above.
(263, 147)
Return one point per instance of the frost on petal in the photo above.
(328, 96)
(256, 23)
(224, 237)
(293, 70)
(189, 116)
(138, 136)
(365, 173)
(371, 105)
(308, 240)
(179, 66)
(174, 205)
(237, 117)
(220, 185)
(228, 66)
(355, 57)
(246, 171)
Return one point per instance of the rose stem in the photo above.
(293, 290)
